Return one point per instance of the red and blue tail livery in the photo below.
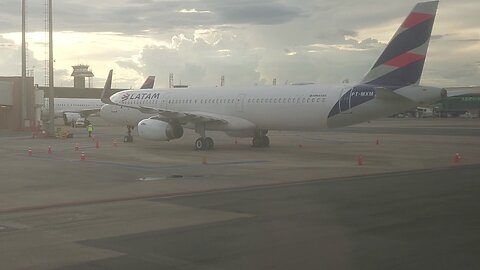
(401, 63)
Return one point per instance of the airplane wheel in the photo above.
(260, 142)
(257, 142)
(209, 143)
(128, 139)
(266, 141)
(200, 144)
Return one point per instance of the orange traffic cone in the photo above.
(456, 158)
(82, 156)
(360, 160)
(29, 151)
(49, 149)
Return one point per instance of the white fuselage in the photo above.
(302, 107)
(71, 105)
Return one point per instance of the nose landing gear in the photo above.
(128, 138)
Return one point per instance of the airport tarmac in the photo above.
(302, 203)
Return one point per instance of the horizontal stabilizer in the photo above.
(387, 94)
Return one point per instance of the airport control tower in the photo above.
(80, 72)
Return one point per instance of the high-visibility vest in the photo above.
(90, 128)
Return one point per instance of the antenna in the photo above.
(170, 81)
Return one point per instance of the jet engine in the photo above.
(157, 130)
(70, 117)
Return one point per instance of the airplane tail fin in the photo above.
(149, 82)
(107, 89)
(402, 61)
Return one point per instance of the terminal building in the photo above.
(23, 112)
(18, 111)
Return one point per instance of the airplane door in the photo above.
(239, 102)
(345, 100)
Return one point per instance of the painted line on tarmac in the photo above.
(165, 196)
(156, 167)
(137, 166)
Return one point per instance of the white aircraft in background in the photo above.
(390, 87)
(71, 109)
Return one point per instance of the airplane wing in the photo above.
(182, 117)
(84, 113)
(463, 91)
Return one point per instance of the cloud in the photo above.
(193, 11)
(247, 41)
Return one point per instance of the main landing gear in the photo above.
(204, 144)
(261, 139)
(128, 138)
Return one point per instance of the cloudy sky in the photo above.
(248, 41)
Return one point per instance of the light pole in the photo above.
(24, 68)
(51, 94)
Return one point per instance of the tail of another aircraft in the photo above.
(107, 89)
(402, 61)
(149, 82)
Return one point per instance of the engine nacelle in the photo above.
(157, 130)
(69, 118)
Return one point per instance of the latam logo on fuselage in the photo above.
(129, 96)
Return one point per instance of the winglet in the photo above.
(149, 82)
(107, 89)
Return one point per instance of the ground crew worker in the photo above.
(90, 130)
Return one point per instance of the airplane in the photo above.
(390, 87)
(71, 109)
